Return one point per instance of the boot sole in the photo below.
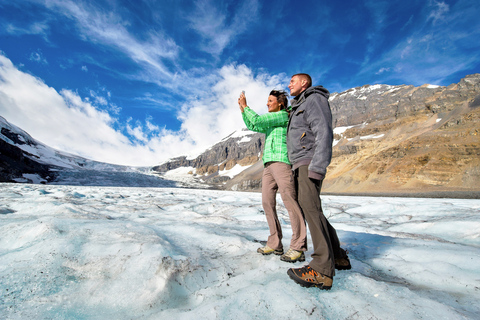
(306, 284)
(273, 252)
(343, 267)
(292, 261)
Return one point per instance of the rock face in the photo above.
(243, 148)
(420, 140)
(388, 139)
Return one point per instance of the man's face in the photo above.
(296, 86)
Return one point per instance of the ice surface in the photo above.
(76, 252)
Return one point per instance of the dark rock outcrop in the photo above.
(14, 162)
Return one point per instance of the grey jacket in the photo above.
(310, 133)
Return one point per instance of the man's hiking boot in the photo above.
(307, 277)
(267, 250)
(293, 256)
(343, 263)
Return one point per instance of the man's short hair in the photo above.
(306, 77)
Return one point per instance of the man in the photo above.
(309, 144)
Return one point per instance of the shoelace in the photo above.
(307, 270)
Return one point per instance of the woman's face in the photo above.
(272, 104)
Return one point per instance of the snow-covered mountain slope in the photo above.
(25, 159)
(37, 151)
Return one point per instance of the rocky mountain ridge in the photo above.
(388, 139)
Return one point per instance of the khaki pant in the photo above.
(279, 176)
(326, 246)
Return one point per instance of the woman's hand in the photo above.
(242, 102)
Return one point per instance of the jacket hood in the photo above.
(318, 89)
(302, 96)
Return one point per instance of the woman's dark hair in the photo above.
(281, 98)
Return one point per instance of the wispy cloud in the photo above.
(38, 57)
(108, 29)
(218, 25)
(379, 19)
(35, 28)
(439, 11)
(439, 41)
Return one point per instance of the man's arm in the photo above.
(319, 118)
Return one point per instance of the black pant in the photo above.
(326, 245)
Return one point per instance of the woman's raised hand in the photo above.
(242, 101)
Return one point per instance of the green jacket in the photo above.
(274, 125)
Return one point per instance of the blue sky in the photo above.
(138, 82)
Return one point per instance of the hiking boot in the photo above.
(267, 250)
(343, 263)
(293, 256)
(307, 277)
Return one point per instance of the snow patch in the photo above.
(30, 178)
(340, 130)
(181, 171)
(234, 171)
(244, 139)
(372, 136)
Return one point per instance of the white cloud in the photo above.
(382, 70)
(98, 99)
(218, 115)
(67, 122)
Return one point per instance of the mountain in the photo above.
(388, 140)
(24, 159)
(234, 163)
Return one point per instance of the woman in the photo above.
(277, 175)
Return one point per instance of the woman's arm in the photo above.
(265, 121)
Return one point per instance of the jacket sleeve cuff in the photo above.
(315, 175)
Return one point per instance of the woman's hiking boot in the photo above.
(267, 250)
(307, 277)
(293, 256)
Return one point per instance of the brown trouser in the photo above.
(279, 176)
(326, 246)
